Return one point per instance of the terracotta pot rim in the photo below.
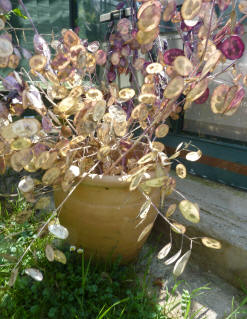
(110, 180)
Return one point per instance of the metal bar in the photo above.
(73, 14)
(116, 14)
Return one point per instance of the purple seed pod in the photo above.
(146, 63)
(232, 48)
(85, 43)
(123, 26)
(117, 44)
(125, 50)
(6, 36)
(38, 149)
(239, 29)
(170, 55)
(26, 54)
(100, 57)
(46, 124)
(184, 27)
(203, 98)
(237, 99)
(122, 62)
(196, 28)
(115, 58)
(5, 6)
(111, 76)
(10, 83)
(17, 52)
(134, 33)
(41, 47)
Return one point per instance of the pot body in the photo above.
(101, 217)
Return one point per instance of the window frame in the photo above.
(223, 160)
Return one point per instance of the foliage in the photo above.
(82, 124)
(79, 289)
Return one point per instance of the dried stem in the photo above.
(55, 212)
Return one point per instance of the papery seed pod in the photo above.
(93, 46)
(194, 156)
(4, 62)
(70, 38)
(60, 61)
(26, 54)
(149, 17)
(203, 98)
(170, 55)
(169, 11)
(233, 47)
(123, 26)
(37, 62)
(47, 124)
(111, 76)
(147, 37)
(211, 63)
(139, 63)
(154, 68)
(178, 228)
(26, 127)
(26, 184)
(51, 175)
(190, 9)
(115, 58)
(125, 51)
(2, 23)
(49, 252)
(174, 88)
(5, 6)
(126, 94)
(39, 148)
(21, 143)
(13, 277)
(100, 57)
(41, 47)
(90, 60)
(76, 51)
(211, 243)
(13, 61)
(218, 98)
(162, 130)
(233, 99)
(43, 202)
(34, 273)
(183, 65)
(181, 264)
(6, 47)
(58, 231)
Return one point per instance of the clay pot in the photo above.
(101, 217)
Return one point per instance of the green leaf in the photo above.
(7, 16)
(18, 13)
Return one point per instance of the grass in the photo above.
(79, 289)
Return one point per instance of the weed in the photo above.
(79, 289)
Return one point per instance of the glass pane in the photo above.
(49, 16)
(89, 12)
(201, 120)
